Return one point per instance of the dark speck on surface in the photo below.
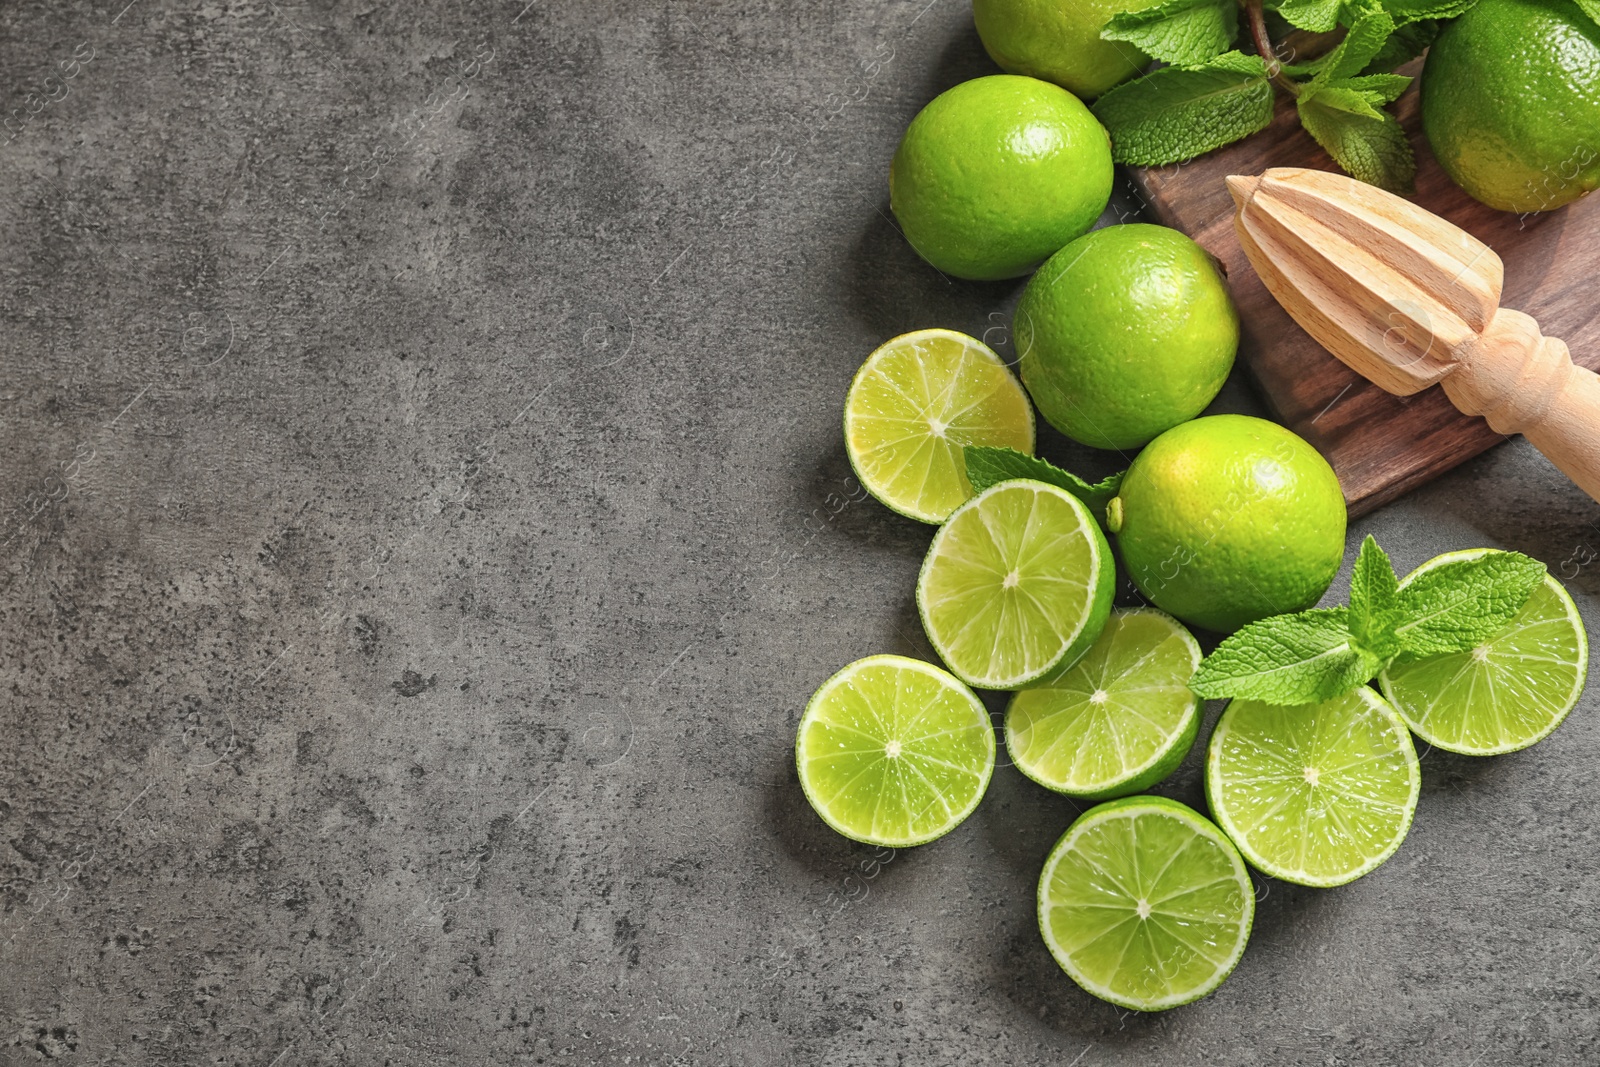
(413, 684)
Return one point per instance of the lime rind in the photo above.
(1229, 519)
(1106, 864)
(1136, 733)
(1310, 806)
(905, 428)
(848, 730)
(1016, 585)
(1415, 688)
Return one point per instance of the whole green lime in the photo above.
(1059, 41)
(1229, 519)
(1125, 333)
(1511, 103)
(996, 174)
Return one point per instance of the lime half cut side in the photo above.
(1117, 721)
(1504, 695)
(1145, 903)
(1016, 585)
(893, 751)
(1317, 794)
(915, 404)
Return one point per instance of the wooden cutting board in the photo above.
(1381, 445)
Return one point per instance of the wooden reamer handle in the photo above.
(1523, 382)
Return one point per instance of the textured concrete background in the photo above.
(425, 515)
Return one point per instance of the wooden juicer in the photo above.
(1408, 300)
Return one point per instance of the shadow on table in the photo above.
(891, 290)
(1022, 821)
(854, 868)
(885, 283)
(840, 502)
(962, 60)
(1287, 917)
(1517, 500)
(1445, 773)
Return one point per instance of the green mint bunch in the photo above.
(1210, 94)
(1316, 655)
(988, 465)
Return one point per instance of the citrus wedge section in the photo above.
(916, 402)
(1117, 721)
(893, 751)
(1016, 585)
(1504, 695)
(1318, 794)
(1145, 903)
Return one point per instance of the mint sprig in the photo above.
(1339, 106)
(988, 466)
(1210, 94)
(1316, 655)
(1590, 8)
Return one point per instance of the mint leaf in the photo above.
(1375, 150)
(1373, 617)
(1591, 8)
(1337, 98)
(1373, 584)
(1174, 114)
(1408, 11)
(1376, 88)
(1288, 659)
(1370, 27)
(1405, 44)
(1236, 62)
(1180, 32)
(1318, 16)
(987, 466)
(1457, 606)
(1300, 70)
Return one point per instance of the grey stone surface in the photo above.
(425, 517)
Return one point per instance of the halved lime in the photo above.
(893, 751)
(1318, 794)
(915, 403)
(1143, 902)
(1016, 585)
(1510, 691)
(1120, 719)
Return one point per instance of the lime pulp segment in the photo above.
(915, 404)
(1318, 794)
(1145, 903)
(893, 751)
(1507, 693)
(1117, 721)
(1016, 585)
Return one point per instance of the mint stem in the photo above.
(1257, 17)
